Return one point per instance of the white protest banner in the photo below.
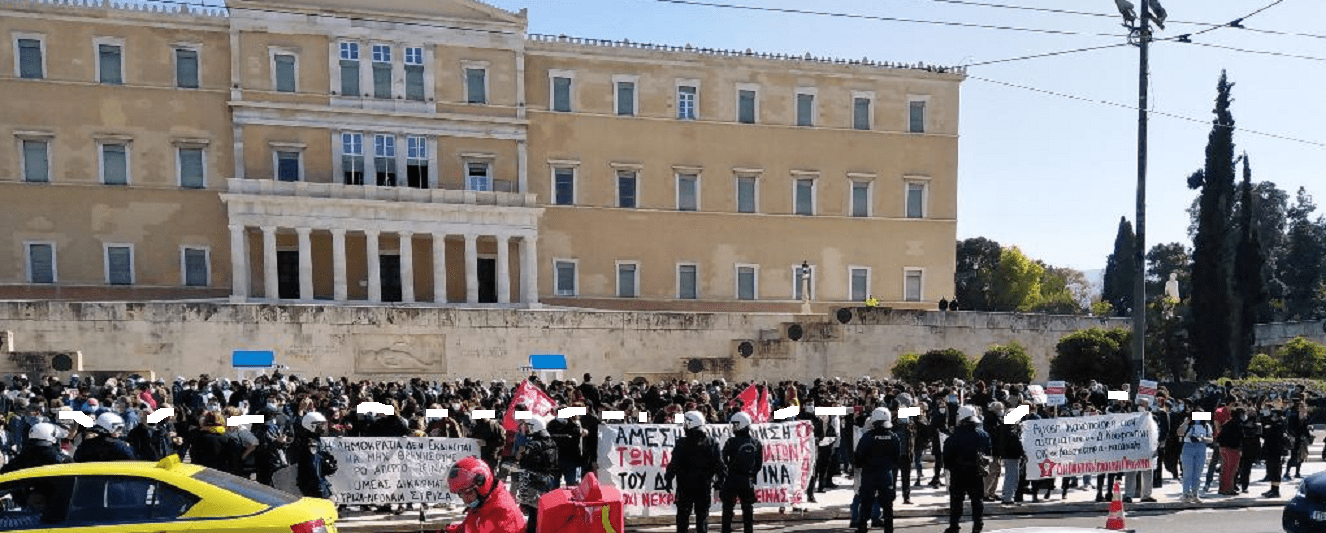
(633, 458)
(383, 470)
(1054, 393)
(1081, 445)
(1146, 390)
(1038, 395)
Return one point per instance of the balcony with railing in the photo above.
(337, 191)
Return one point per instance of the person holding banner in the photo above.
(876, 457)
(744, 457)
(489, 507)
(697, 466)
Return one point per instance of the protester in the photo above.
(1196, 436)
(696, 466)
(313, 463)
(743, 457)
(539, 459)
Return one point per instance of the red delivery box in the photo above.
(588, 508)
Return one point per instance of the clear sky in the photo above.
(1049, 174)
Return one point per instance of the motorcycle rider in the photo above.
(489, 507)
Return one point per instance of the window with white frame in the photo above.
(352, 158)
(30, 62)
(36, 159)
(186, 67)
(748, 107)
(289, 166)
(382, 71)
(803, 190)
(688, 191)
(41, 262)
(119, 264)
(191, 166)
(797, 273)
(627, 188)
(916, 199)
(628, 279)
(748, 282)
(860, 198)
(624, 94)
(114, 162)
(194, 267)
(414, 73)
(911, 284)
(478, 176)
(688, 281)
(805, 107)
(349, 68)
(916, 113)
(860, 283)
(564, 185)
(384, 159)
(564, 276)
(861, 109)
(476, 85)
(110, 61)
(285, 68)
(748, 193)
(416, 162)
(687, 100)
(560, 90)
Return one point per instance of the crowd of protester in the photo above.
(1268, 425)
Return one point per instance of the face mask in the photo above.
(1243, 418)
(474, 504)
(1077, 412)
(1266, 412)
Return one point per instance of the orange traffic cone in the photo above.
(1115, 519)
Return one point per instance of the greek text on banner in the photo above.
(1074, 446)
(383, 470)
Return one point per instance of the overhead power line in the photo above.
(1213, 25)
(1134, 108)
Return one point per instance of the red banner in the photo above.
(532, 399)
(755, 402)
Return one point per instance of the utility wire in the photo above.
(1047, 54)
(1261, 52)
(882, 18)
(1134, 108)
(1112, 15)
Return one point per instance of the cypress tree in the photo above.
(1120, 270)
(1213, 311)
(1249, 275)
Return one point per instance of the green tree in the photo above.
(1303, 358)
(1008, 363)
(1271, 220)
(973, 276)
(1265, 366)
(1095, 353)
(1120, 270)
(1064, 291)
(904, 369)
(1017, 282)
(1213, 300)
(1168, 356)
(943, 365)
(1301, 268)
(1249, 275)
(1161, 261)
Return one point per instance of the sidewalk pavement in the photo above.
(927, 502)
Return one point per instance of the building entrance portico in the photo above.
(371, 250)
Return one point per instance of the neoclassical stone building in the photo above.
(437, 153)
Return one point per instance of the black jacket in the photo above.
(738, 474)
(36, 453)
(695, 464)
(963, 449)
(877, 455)
(103, 449)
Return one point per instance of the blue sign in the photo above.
(547, 362)
(252, 358)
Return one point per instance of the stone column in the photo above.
(439, 268)
(407, 266)
(270, 281)
(374, 266)
(503, 271)
(239, 264)
(471, 268)
(529, 270)
(341, 293)
(305, 264)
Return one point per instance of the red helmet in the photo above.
(471, 473)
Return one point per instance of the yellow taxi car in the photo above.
(140, 496)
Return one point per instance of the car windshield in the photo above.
(254, 491)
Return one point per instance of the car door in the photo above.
(126, 504)
(33, 503)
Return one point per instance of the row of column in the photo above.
(240, 265)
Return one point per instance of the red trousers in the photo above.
(1229, 466)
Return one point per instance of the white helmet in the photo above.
(48, 432)
(693, 419)
(740, 421)
(109, 423)
(881, 417)
(536, 425)
(313, 417)
(967, 412)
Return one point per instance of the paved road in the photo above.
(1260, 520)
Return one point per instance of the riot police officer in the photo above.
(743, 455)
(696, 464)
(876, 458)
(964, 453)
(103, 441)
(43, 448)
(314, 464)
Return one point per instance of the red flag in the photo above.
(755, 402)
(532, 399)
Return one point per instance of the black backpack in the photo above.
(746, 458)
